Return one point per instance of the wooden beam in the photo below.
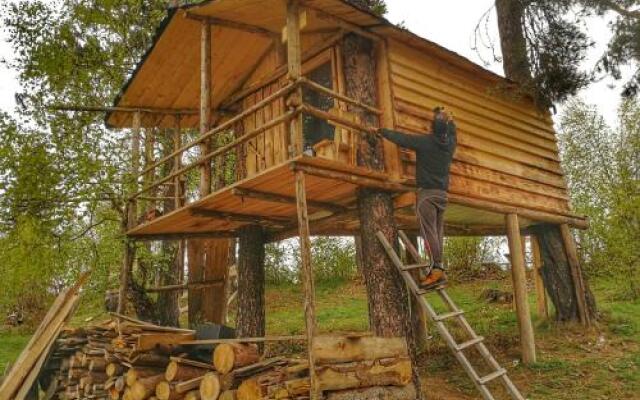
(346, 25)
(541, 295)
(244, 340)
(185, 286)
(182, 236)
(279, 198)
(239, 26)
(125, 109)
(319, 88)
(307, 276)
(205, 104)
(231, 216)
(576, 273)
(518, 274)
(392, 161)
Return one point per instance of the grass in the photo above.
(603, 363)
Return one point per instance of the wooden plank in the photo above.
(576, 273)
(245, 340)
(393, 165)
(272, 197)
(150, 341)
(518, 274)
(205, 104)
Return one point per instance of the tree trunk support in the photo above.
(205, 104)
(541, 295)
(576, 273)
(131, 215)
(519, 277)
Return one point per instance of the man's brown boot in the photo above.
(436, 278)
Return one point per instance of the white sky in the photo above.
(450, 23)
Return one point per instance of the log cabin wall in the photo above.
(507, 151)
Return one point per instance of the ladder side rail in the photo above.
(482, 348)
(410, 247)
(442, 329)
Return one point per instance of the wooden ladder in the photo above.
(454, 313)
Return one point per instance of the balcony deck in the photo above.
(268, 199)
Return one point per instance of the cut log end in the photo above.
(232, 355)
(210, 387)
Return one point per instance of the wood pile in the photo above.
(133, 360)
(18, 384)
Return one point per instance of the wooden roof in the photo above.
(168, 75)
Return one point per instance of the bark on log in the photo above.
(228, 356)
(338, 349)
(385, 372)
(134, 374)
(378, 393)
(210, 387)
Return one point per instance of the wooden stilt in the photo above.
(307, 275)
(131, 213)
(541, 295)
(205, 104)
(576, 273)
(519, 276)
(294, 64)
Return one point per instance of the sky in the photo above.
(450, 23)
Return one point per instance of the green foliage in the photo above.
(467, 257)
(378, 7)
(333, 259)
(603, 171)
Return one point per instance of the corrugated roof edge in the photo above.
(172, 10)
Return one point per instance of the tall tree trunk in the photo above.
(556, 275)
(250, 319)
(556, 272)
(514, 46)
(388, 303)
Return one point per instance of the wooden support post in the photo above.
(393, 164)
(205, 104)
(177, 192)
(131, 215)
(307, 275)
(541, 295)
(519, 277)
(294, 65)
(576, 273)
(150, 175)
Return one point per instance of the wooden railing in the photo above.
(242, 138)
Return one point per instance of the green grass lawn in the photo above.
(603, 363)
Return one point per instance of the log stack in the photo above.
(132, 360)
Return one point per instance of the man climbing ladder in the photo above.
(434, 154)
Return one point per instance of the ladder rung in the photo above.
(452, 314)
(469, 343)
(486, 379)
(414, 266)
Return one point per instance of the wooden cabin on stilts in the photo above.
(256, 95)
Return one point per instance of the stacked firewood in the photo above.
(131, 360)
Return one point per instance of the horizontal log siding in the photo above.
(507, 151)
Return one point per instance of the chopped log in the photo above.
(144, 388)
(233, 355)
(210, 387)
(228, 395)
(167, 391)
(249, 390)
(150, 360)
(338, 349)
(180, 372)
(133, 374)
(193, 363)
(149, 341)
(384, 372)
(193, 395)
(290, 389)
(407, 392)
